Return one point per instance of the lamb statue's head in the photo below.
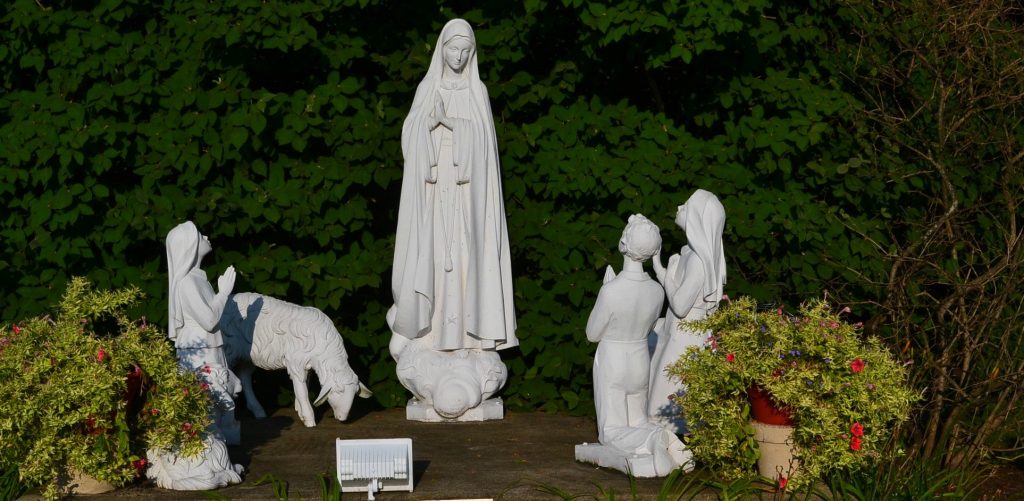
(340, 387)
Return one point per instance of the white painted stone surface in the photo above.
(452, 279)
(693, 282)
(272, 334)
(194, 326)
(626, 310)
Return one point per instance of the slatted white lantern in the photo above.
(375, 465)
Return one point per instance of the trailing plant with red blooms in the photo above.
(89, 390)
(844, 392)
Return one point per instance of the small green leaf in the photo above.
(349, 85)
(238, 136)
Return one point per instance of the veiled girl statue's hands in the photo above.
(659, 269)
(226, 282)
(670, 277)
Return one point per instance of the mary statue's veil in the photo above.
(453, 29)
(182, 256)
(705, 221)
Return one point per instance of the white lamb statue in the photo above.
(273, 334)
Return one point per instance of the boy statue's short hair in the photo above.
(641, 239)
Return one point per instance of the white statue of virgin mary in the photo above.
(452, 279)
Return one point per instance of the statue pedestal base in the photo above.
(639, 465)
(492, 408)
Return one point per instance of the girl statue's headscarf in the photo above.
(182, 257)
(705, 221)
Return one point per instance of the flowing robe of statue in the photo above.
(452, 279)
(693, 282)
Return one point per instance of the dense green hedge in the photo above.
(275, 127)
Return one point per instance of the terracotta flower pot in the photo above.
(764, 408)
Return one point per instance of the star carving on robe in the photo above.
(452, 318)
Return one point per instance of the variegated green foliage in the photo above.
(66, 403)
(846, 393)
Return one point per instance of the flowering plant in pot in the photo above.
(88, 390)
(842, 391)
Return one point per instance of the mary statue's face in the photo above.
(457, 52)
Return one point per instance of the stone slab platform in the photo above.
(504, 459)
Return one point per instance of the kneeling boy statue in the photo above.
(627, 307)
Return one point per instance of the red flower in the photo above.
(206, 369)
(857, 365)
(186, 426)
(100, 355)
(139, 464)
(731, 357)
(16, 329)
(204, 386)
(185, 391)
(855, 444)
(857, 429)
(154, 411)
(782, 482)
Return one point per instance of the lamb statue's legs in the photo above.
(302, 406)
(245, 375)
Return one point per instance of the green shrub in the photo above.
(90, 390)
(845, 393)
(944, 131)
